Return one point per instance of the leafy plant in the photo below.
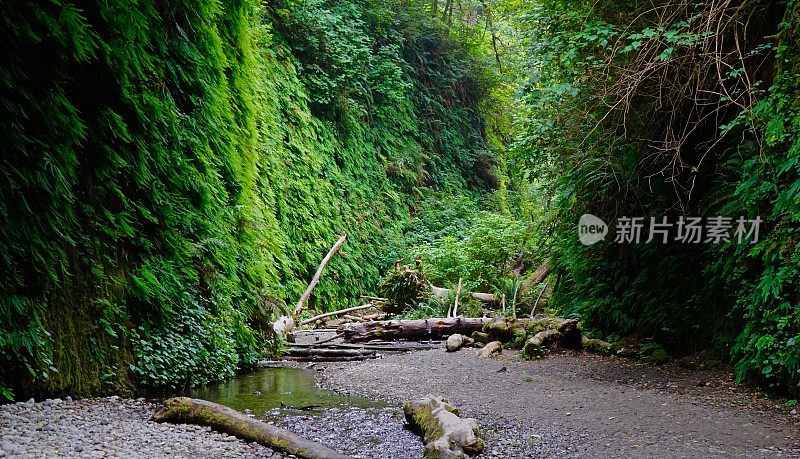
(167, 166)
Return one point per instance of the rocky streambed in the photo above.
(109, 427)
(571, 405)
(287, 397)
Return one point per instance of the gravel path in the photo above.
(109, 427)
(569, 405)
(364, 433)
(580, 405)
(120, 428)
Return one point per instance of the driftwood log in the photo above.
(410, 329)
(285, 324)
(314, 353)
(301, 303)
(445, 434)
(184, 410)
(336, 313)
(444, 293)
(402, 346)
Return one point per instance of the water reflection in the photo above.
(268, 389)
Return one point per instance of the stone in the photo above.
(457, 341)
(490, 350)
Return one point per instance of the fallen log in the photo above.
(376, 316)
(301, 303)
(392, 346)
(184, 410)
(445, 434)
(312, 352)
(540, 274)
(410, 329)
(315, 358)
(353, 318)
(336, 313)
(285, 324)
(444, 293)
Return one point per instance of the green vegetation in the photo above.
(673, 109)
(173, 173)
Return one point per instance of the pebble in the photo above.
(109, 427)
(370, 433)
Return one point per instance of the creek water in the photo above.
(278, 390)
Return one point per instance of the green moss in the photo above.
(653, 353)
(423, 421)
(179, 166)
(534, 327)
(537, 344)
(520, 336)
(498, 330)
(599, 346)
(481, 337)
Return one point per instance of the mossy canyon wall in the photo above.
(173, 172)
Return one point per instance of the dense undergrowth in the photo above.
(672, 109)
(173, 173)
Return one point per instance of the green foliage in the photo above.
(621, 118)
(482, 258)
(653, 353)
(193, 349)
(431, 307)
(441, 214)
(769, 345)
(405, 288)
(172, 169)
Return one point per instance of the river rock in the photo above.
(457, 341)
(492, 349)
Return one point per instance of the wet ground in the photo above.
(289, 396)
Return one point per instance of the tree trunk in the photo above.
(410, 329)
(336, 313)
(311, 353)
(445, 434)
(443, 293)
(184, 410)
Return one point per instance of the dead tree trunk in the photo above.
(446, 435)
(443, 293)
(184, 410)
(311, 353)
(411, 329)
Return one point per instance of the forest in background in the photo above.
(173, 173)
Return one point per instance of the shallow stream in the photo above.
(279, 390)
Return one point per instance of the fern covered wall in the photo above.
(627, 116)
(172, 173)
